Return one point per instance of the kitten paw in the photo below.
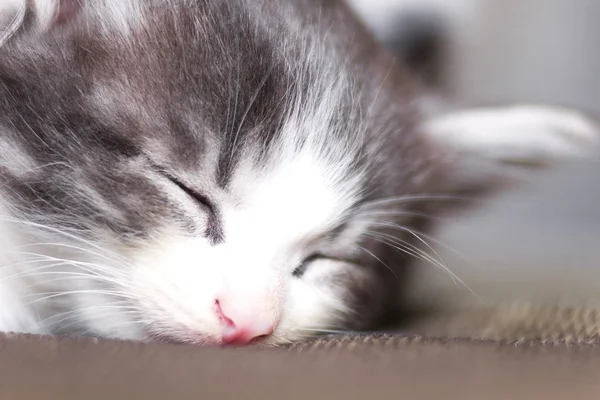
(521, 134)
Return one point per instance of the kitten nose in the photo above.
(241, 328)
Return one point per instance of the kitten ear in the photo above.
(40, 15)
(494, 146)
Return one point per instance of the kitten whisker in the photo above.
(393, 200)
(55, 295)
(80, 264)
(67, 276)
(59, 232)
(82, 249)
(59, 325)
(414, 251)
(386, 224)
(378, 259)
(58, 316)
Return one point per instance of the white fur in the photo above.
(17, 162)
(119, 15)
(12, 13)
(44, 11)
(271, 223)
(114, 15)
(15, 314)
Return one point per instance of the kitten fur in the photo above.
(165, 162)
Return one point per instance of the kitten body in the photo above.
(215, 172)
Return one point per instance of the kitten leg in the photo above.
(518, 135)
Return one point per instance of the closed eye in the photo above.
(198, 197)
(213, 229)
(195, 195)
(301, 269)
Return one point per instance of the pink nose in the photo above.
(242, 328)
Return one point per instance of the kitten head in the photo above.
(210, 172)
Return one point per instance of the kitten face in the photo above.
(181, 170)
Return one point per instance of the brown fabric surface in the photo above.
(355, 367)
(516, 321)
(345, 367)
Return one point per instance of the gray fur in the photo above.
(191, 89)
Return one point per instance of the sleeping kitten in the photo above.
(226, 172)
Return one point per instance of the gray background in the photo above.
(541, 242)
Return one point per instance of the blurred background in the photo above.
(541, 242)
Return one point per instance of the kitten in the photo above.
(226, 172)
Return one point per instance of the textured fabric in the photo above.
(564, 365)
(517, 321)
(356, 367)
